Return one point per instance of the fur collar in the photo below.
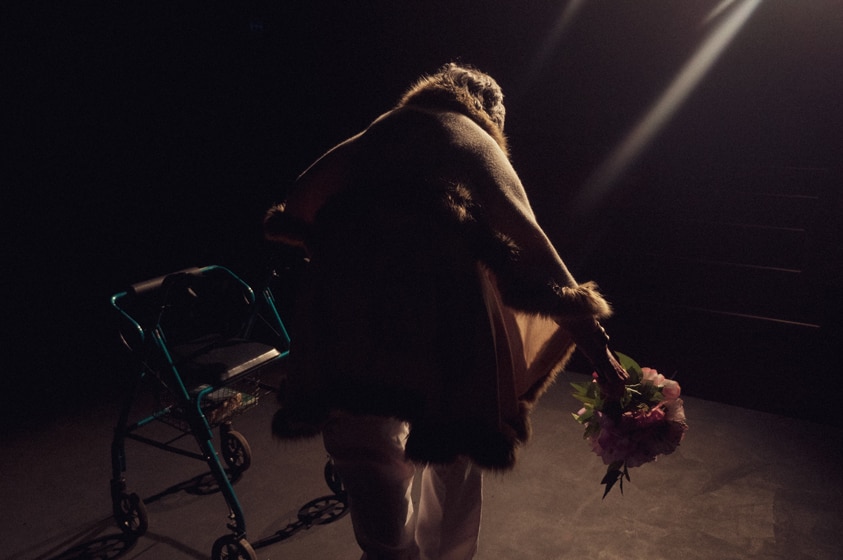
(437, 92)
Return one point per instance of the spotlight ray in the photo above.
(560, 27)
(719, 9)
(600, 182)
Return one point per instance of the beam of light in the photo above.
(563, 22)
(665, 107)
(719, 9)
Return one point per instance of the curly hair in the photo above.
(462, 88)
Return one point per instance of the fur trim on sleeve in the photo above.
(583, 300)
(560, 302)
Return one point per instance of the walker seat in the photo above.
(201, 340)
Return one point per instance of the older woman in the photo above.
(434, 313)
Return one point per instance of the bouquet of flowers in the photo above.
(646, 421)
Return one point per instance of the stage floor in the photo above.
(744, 484)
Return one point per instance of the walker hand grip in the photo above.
(146, 286)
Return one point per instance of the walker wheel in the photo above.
(130, 514)
(236, 451)
(332, 479)
(231, 547)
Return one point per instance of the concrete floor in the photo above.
(744, 484)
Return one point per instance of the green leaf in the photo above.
(585, 393)
(632, 367)
(592, 431)
(583, 388)
(584, 399)
(614, 474)
(627, 362)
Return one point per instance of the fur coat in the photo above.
(432, 294)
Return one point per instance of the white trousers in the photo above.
(368, 456)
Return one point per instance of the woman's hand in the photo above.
(591, 339)
(610, 375)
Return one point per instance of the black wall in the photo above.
(151, 136)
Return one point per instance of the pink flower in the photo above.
(671, 389)
(652, 377)
(675, 410)
(638, 437)
(647, 421)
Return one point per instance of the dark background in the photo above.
(144, 137)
